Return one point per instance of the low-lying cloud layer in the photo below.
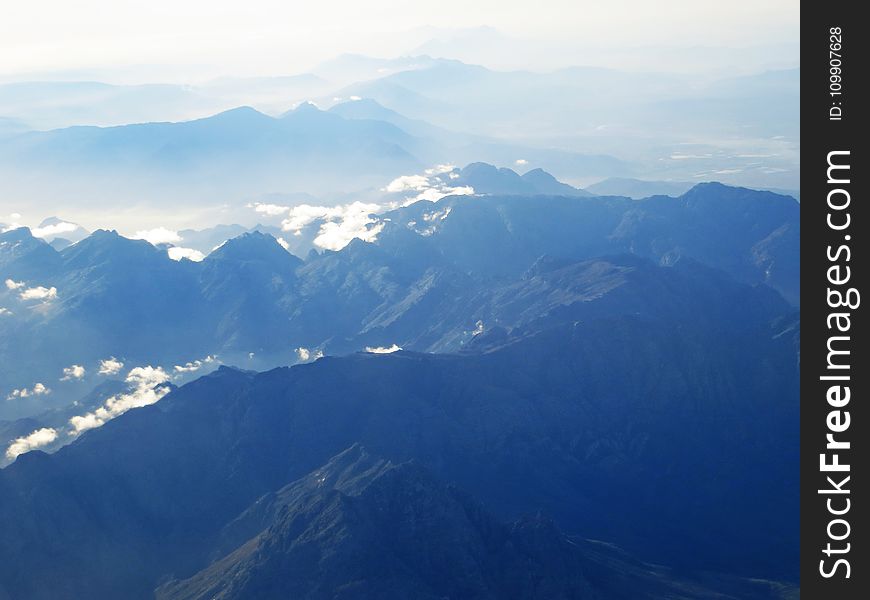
(432, 185)
(307, 355)
(38, 292)
(338, 224)
(196, 365)
(383, 349)
(146, 387)
(158, 235)
(37, 439)
(179, 253)
(54, 229)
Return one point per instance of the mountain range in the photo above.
(585, 421)
(205, 146)
(510, 394)
(431, 272)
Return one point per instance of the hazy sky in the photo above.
(272, 36)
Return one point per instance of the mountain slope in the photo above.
(586, 421)
(388, 531)
(435, 274)
(232, 155)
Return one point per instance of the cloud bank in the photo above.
(196, 365)
(432, 185)
(178, 253)
(146, 387)
(38, 293)
(158, 235)
(37, 439)
(338, 224)
(306, 355)
(383, 349)
(55, 229)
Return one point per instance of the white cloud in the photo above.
(53, 229)
(432, 185)
(37, 390)
(335, 236)
(38, 293)
(73, 372)
(32, 293)
(521, 162)
(407, 183)
(177, 253)
(284, 244)
(440, 169)
(340, 224)
(272, 210)
(478, 329)
(37, 439)
(5, 311)
(303, 215)
(306, 355)
(435, 194)
(146, 387)
(159, 235)
(147, 376)
(382, 349)
(195, 365)
(110, 366)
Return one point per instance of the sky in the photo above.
(259, 37)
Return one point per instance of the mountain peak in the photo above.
(105, 245)
(306, 106)
(252, 246)
(405, 516)
(51, 221)
(238, 115)
(19, 234)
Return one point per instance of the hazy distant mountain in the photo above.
(637, 188)
(53, 227)
(487, 179)
(50, 104)
(348, 68)
(580, 123)
(11, 126)
(233, 155)
(367, 108)
(600, 111)
(55, 104)
(217, 165)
